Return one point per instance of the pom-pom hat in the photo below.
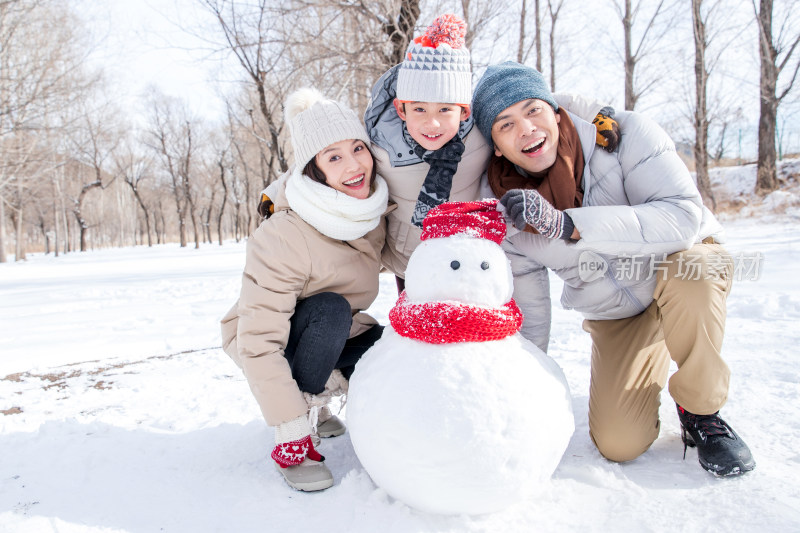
(316, 122)
(479, 219)
(436, 67)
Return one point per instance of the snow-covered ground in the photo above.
(120, 412)
(122, 415)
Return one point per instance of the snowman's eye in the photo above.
(485, 265)
(455, 265)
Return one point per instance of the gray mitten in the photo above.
(528, 207)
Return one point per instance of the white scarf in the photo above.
(334, 213)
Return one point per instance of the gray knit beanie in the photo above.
(502, 86)
(316, 122)
(436, 67)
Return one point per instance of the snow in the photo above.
(124, 415)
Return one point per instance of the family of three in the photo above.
(575, 185)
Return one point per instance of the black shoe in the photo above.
(720, 450)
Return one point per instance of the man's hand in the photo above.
(528, 207)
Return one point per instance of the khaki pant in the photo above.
(630, 356)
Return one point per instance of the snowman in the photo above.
(453, 411)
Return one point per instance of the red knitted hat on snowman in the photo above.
(479, 219)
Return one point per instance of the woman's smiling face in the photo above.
(347, 166)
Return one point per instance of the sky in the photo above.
(141, 43)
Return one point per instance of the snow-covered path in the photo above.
(122, 415)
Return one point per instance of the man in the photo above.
(639, 255)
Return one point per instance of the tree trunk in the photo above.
(522, 14)
(700, 107)
(766, 175)
(19, 246)
(538, 36)
(78, 211)
(553, 51)
(224, 200)
(630, 61)
(3, 256)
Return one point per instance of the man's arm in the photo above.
(665, 209)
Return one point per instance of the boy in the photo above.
(419, 122)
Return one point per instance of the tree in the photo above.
(699, 23)
(136, 170)
(650, 36)
(41, 65)
(775, 55)
(553, 8)
(170, 137)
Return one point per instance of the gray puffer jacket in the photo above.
(640, 203)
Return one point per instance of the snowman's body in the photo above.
(458, 427)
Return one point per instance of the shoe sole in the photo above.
(335, 433)
(306, 486)
(312, 486)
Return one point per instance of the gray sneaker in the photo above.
(329, 425)
(332, 427)
(308, 476)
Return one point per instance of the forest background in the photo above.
(94, 155)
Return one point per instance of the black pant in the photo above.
(318, 341)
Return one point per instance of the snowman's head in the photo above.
(459, 268)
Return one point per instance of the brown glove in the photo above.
(608, 134)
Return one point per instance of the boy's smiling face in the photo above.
(431, 124)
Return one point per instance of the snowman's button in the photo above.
(455, 265)
(485, 265)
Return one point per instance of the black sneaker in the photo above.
(720, 450)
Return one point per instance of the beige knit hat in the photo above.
(316, 122)
(436, 67)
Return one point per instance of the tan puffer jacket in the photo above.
(288, 260)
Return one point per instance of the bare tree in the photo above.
(170, 136)
(136, 170)
(554, 9)
(524, 49)
(775, 54)
(41, 66)
(699, 23)
(93, 143)
(650, 36)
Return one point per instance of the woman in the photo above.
(311, 267)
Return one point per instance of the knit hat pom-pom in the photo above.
(447, 29)
(300, 100)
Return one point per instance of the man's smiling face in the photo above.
(526, 134)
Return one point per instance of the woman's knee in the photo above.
(327, 307)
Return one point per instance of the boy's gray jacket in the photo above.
(640, 204)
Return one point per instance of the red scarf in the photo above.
(449, 322)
